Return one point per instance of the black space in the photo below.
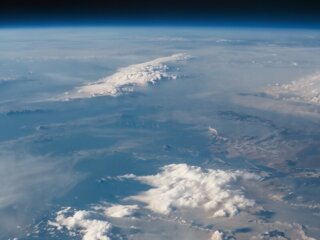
(33, 11)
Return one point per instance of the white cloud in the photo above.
(124, 80)
(304, 90)
(183, 186)
(93, 224)
(176, 186)
(212, 132)
(82, 222)
(217, 235)
(120, 211)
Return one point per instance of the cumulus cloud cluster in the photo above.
(180, 186)
(304, 90)
(92, 224)
(175, 187)
(125, 79)
(82, 222)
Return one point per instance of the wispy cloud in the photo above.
(29, 182)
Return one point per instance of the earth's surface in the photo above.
(159, 133)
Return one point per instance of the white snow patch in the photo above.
(82, 222)
(125, 79)
(304, 90)
(180, 186)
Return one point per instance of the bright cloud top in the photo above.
(217, 235)
(306, 90)
(125, 79)
(180, 186)
(92, 224)
(176, 186)
(83, 222)
(120, 211)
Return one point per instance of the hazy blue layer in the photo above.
(64, 153)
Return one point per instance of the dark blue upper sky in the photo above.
(235, 12)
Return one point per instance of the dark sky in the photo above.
(180, 11)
